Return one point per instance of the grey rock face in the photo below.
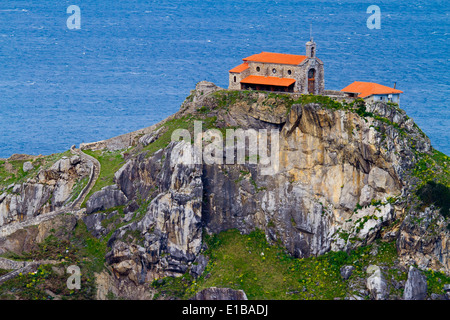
(76, 159)
(25, 240)
(416, 285)
(214, 293)
(24, 202)
(139, 176)
(171, 229)
(425, 243)
(108, 197)
(61, 165)
(330, 161)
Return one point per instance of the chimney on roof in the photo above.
(395, 84)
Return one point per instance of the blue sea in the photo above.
(132, 63)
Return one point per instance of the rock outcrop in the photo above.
(108, 197)
(376, 283)
(50, 189)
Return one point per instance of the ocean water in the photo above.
(133, 62)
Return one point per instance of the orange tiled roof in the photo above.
(271, 57)
(366, 89)
(270, 81)
(240, 68)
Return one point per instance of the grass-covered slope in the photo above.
(265, 271)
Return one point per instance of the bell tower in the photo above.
(310, 45)
(311, 49)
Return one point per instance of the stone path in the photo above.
(95, 172)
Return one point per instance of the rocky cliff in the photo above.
(348, 175)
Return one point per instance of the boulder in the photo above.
(367, 195)
(416, 285)
(375, 283)
(27, 166)
(346, 272)
(61, 165)
(435, 296)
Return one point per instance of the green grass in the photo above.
(186, 122)
(90, 250)
(436, 281)
(166, 137)
(325, 101)
(263, 271)
(110, 162)
(226, 98)
(249, 263)
(34, 285)
(266, 271)
(11, 176)
(437, 194)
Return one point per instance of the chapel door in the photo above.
(311, 81)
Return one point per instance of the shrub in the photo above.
(437, 194)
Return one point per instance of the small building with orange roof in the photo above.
(372, 92)
(271, 71)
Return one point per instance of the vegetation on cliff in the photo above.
(264, 271)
